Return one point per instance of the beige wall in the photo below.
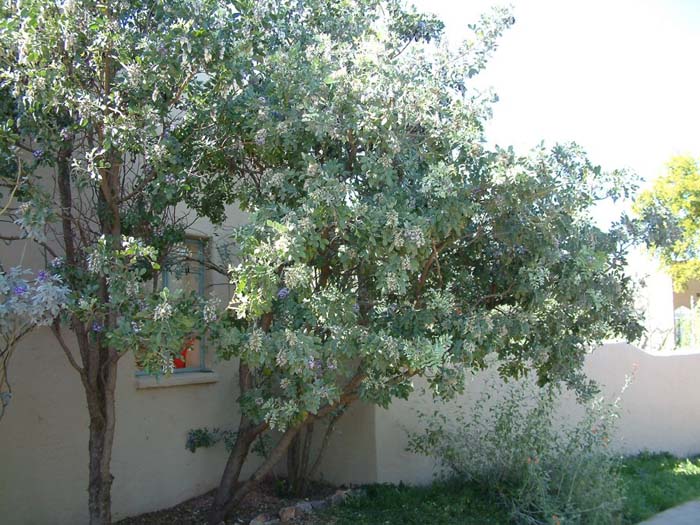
(350, 456)
(659, 411)
(43, 436)
(43, 440)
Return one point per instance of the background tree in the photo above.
(670, 212)
(386, 241)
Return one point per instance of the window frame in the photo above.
(202, 242)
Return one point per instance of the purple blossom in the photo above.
(261, 137)
(38, 153)
(20, 289)
(283, 293)
(97, 327)
(331, 365)
(42, 276)
(65, 134)
(57, 262)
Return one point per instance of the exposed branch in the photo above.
(56, 329)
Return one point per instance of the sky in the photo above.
(619, 77)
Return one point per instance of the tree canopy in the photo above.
(670, 209)
(387, 241)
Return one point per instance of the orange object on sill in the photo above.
(189, 355)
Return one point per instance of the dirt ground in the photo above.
(264, 499)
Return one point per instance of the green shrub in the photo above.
(543, 471)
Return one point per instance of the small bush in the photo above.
(543, 471)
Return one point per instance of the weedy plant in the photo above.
(515, 445)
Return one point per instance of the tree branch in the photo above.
(56, 329)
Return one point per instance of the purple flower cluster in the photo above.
(20, 290)
(283, 293)
(98, 327)
(261, 137)
(38, 153)
(317, 364)
(42, 276)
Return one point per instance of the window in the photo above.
(189, 274)
(186, 271)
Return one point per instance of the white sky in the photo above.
(619, 77)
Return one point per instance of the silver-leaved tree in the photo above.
(97, 99)
(388, 241)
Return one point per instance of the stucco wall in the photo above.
(43, 439)
(43, 436)
(659, 411)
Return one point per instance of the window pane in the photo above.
(185, 271)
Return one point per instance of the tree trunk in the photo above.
(99, 362)
(298, 461)
(243, 489)
(245, 438)
(232, 473)
(230, 491)
(101, 408)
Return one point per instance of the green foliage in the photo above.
(515, 447)
(24, 304)
(652, 484)
(656, 482)
(385, 240)
(670, 210)
(205, 438)
(442, 503)
(91, 98)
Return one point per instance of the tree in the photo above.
(670, 211)
(386, 241)
(97, 99)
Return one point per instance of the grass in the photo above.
(442, 503)
(653, 483)
(656, 482)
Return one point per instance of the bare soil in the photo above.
(265, 499)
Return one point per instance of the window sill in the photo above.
(182, 379)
